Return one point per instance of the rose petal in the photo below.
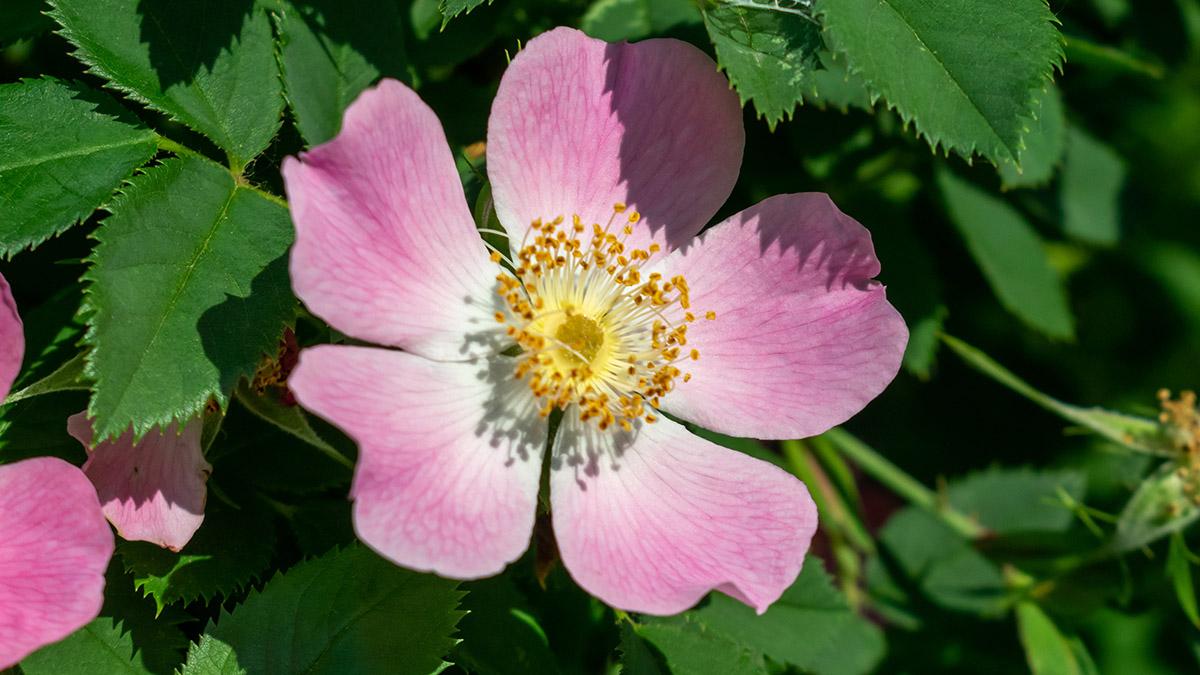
(579, 124)
(54, 548)
(803, 338)
(450, 454)
(651, 521)
(386, 249)
(12, 339)
(153, 490)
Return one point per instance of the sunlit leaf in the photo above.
(177, 314)
(210, 65)
(1047, 651)
(766, 55)
(347, 612)
(64, 148)
(966, 75)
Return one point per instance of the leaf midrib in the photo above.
(79, 152)
(173, 302)
(957, 85)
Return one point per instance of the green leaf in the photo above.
(64, 148)
(1091, 189)
(636, 656)
(836, 640)
(613, 20)
(208, 65)
(346, 612)
(37, 427)
(452, 8)
(1009, 501)
(178, 313)
(939, 562)
(499, 634)
(834, 86)
(767, 56)
(1046, 650)
(291, 420)
(21, 19)
(159, 643)
(1011, 255)
(68, 377)
(1162, 505)
(1179, 567)
(212, 657)
(1044, 145)
(99, 648)
(965, 74)
(229, 550)
(329, 54)
(1137, 433)
(691, 647)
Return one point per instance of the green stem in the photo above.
(182, 150)
(826, 496)
(171, 146)
(902, 484)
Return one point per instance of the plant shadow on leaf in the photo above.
(230, 350)
(186, 36)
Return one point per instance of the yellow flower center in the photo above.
(593, 332)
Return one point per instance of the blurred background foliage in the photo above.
(970, 523)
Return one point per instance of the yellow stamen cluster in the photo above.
(594, 331)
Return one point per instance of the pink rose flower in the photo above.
(54, 543)
(605, 161)
(153, 490)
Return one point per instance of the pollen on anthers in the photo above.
(594, 331)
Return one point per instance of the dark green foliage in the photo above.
(205, 313)
(347, 612)
(84, 145)
(1011, 503)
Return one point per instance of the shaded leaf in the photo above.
(68, 377)
(20, 19)
(231, 549)
(499, 634)
(329, 55)
(939, 562)
(1044, 144)
(1092, 178)
(965, 75)
(208, 65)
(636, 656)
(836, 640)
(691, 647)
(292, 420)
(63, 150)
(452, 8)
(347, 612)
(99, 648)
(1179, 567)
(1137, 433)
(1009, 501)
(1011, 255)
(766, 55)
(176, 314)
